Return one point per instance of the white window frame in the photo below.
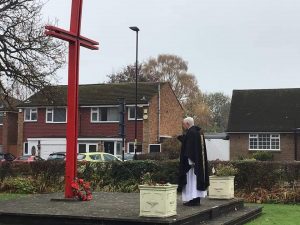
(1, 123)
(31, 111)
(87, 147)
(273, 136)
(128, 143)
(154, 144)
(133, 118)
(97, 110)
(50, 109)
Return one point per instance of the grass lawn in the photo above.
(8, 196)
(278, 214)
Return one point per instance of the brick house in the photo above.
(42, 118)
(8, 124)
(265, 120)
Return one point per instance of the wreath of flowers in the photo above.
(78, 186)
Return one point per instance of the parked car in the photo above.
(6, 157)
(97, 157)
(57, 156)
(127, 156)
(27, 159)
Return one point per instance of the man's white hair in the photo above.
(189, 120)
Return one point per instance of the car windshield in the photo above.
(108, 157)
(24, 157)
(128, 156)
(56, 156)
(96, 157)
(9, 156)
(81, 157)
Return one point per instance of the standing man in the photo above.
(193, 166)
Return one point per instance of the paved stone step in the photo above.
(237, 217)
(113, 209)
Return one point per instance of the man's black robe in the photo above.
(193, 148)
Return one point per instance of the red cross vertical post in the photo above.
(75, 41)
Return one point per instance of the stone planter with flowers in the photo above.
(157, 200)
(222, 182)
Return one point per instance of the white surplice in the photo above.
(190, 191)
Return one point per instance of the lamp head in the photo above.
(135, 29)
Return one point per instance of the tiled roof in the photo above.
(94, 94)
(265, 110)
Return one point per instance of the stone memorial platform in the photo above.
(117, 209)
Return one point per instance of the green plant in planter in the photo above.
(225, 170)
(147, 179)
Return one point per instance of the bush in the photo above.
(5, 170)
(226, 170)
(252, 177)
(259, 174)
(19, 185)
(171, 147)
(263, 156)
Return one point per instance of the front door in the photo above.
(109, 147)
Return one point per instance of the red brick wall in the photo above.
(151, 124)
(9, 134)
(1, 133)
(239, 145)
(20, 133)
(43, 129)
(12, 134)
(171, 113)
(88, 129)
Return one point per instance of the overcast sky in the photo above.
(228, 44)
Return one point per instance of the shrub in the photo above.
(252, 176)
(226, 170)
(5, 170)
(171, 147)
(20, 185)
(263, 156)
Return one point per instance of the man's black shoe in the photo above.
(196, 201)
(193, 202)
(189, 203)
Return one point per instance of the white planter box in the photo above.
(158, 201)
(221, 187)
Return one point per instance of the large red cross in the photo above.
(75, 41)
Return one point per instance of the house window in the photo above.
(131, 113)
(56, 115)
(25, 148)
(105, 114)
(83, 148)
(264, 141)
(131, 147)
(1, 118)
(30, 114)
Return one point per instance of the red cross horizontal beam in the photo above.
(71, 37)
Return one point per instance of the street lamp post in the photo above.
(136, 29)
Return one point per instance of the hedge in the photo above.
(48, 176)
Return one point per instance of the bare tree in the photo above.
(173, 69)
(196, 107)
(127, 74)
(164, 68)
(28, 58)
(219, 106)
